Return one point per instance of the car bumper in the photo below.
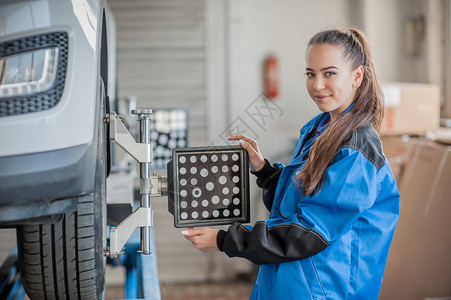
(35, 185)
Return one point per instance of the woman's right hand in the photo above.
(256, 160)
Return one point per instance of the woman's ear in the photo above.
(358, 76)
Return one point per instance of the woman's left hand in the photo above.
(203, 239)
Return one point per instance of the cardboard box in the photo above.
(419, 261)
(410, 108)
(441, 135)
(397, 150)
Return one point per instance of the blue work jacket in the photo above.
(332, 244)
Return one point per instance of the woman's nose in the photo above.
(318, 84)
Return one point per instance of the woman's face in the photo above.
(331, 80)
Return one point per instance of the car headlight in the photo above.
(33, 73)
(28, 73)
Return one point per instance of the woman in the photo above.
(334, 207)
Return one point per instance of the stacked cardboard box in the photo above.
(410, 108)
(419, 262)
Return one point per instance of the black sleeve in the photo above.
(267, 179)
(269, 245)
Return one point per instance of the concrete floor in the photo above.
(237, 290)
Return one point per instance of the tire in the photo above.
(65, 260)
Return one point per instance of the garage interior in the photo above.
(207, 58)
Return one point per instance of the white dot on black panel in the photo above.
(226, 213)
(154, 135)
(214, 169)
(181, 143)
(182, 159)
(171, 144)
(235, 157)
(210, 186)
(225, 191)
(197, 192)
(225, 169)
(193, 159)
(193, 181)
(236, 212)
(205, 214)
(183, 182)
(183, 193)
(236, 190)
(184, 215)
(203, 158)
(182, 171)
(204, 172)
(215, 199)
(163, 139)
(236, 201)
(226, 202)
(183, 204)
(222, 180)
(235, 168)
(194, 203)
(224, 157)
(235, 179)
(215, 213)
(159, 151)
(193, 170)
(194, 215)
(214, 158)
(204, 203)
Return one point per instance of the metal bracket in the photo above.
(150, 185)
(142, 152)
(159, 186)
(119, 235)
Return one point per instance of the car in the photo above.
(57, 76)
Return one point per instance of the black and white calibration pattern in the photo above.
(211, 186)
(169, 130)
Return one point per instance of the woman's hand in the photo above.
(203, 239)
(256, 159)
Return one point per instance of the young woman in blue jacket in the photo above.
(334, 207)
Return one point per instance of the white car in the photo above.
(57, 72)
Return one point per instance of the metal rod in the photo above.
(144, 116)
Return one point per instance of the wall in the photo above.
(161, 56)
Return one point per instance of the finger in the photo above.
(244, 138)
(248, 147)
(237, 137)
(247, 139)
(190, 232)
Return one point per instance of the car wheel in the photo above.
(65, 260)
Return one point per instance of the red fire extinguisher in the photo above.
(271, 79)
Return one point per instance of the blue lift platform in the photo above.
(141, 281)
(11, 287)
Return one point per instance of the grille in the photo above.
(44, 100)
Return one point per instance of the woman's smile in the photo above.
(321, 98)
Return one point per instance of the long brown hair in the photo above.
(368, 107)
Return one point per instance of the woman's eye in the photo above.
(329, 74)
(309, 74)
